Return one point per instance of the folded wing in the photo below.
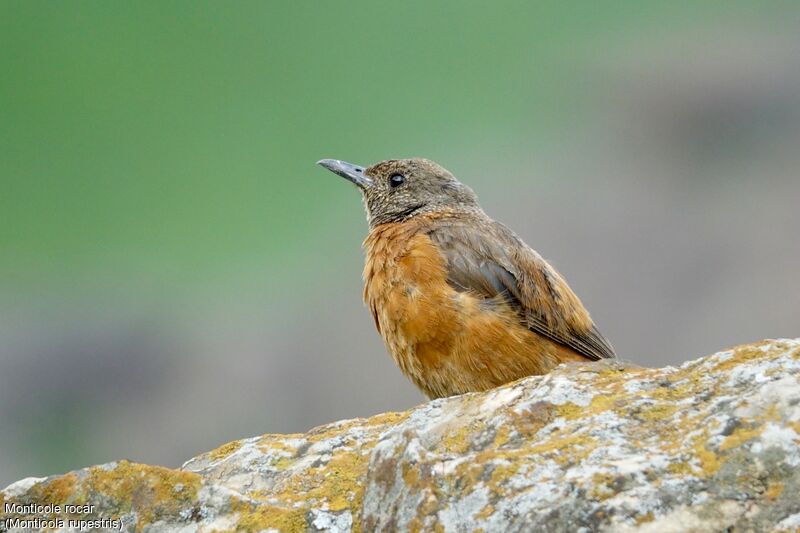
(489, 260)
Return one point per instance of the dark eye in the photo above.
(395, 180)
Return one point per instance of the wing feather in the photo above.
(488, 259)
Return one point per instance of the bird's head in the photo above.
(398, 189)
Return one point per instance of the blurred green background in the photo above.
(176, 273)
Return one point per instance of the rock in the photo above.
(713, 445)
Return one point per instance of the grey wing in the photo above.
(592, 344)
(479, 260)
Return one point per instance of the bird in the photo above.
(461, 302)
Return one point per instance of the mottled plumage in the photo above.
(462, 303)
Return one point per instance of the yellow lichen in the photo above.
(60, 490)
(568, 449)
(337, 485)
(501, 437)
(374, 425)
(774, 490)
(151, 490)
(657, 411)
(602, 486)
(570, 410)
(282, 463)
(410, 475)
(469, 473)
(672, 390)
(225, 450)
(457, 442)
(265, 517)
(387, 419)
(334, 482)
(500, 474)
(333, 431)
(564, 448)
(709, 462)
(679, 468)
(342, 487)
(740, 436)
(599, 404)
(276, 442)
(486, 512)
(742, 354)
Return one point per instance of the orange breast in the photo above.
(447, 342)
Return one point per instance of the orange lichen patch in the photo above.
(774, 490)
(60, 490)
(152, 491)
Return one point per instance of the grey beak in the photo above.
(354, 173)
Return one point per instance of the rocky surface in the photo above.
(713, 445)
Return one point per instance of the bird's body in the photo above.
(461, 302)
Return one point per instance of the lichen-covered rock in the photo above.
(713, 445)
